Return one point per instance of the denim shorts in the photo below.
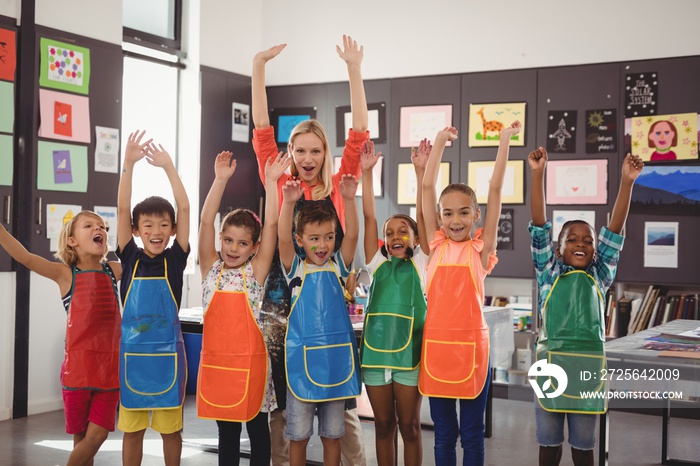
(550, 428)
(300, 418)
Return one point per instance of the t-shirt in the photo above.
(153, 267)
(296, 273)
(420, 259)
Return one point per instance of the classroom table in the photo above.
(628, 353)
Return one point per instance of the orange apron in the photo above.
(233, 364)
(455, 357)
(92, 333)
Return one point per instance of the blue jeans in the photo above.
(470, 428)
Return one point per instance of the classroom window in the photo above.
(153, 23)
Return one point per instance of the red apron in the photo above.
(93, 331)
(233, 364)
(455, 357)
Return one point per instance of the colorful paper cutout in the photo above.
(601, 131)
(8, 54)
(665, 137)
(479, 176)
(418, 123)
(561, 131)
(64, 66)
(7, 107)
(64, 116)
(6, 160)
(487, 120)
(577, 182)
(51, 174)
(641, 94)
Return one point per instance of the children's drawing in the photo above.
(601, 131)
(285, 119)
(408, 183)
(64, 116)
(641, 94)
(64, 66)
(61, 167)
(577, 182)
(6, 160)
(487, 120)
(8, 54)
(418, 123)
(665, 137)
(62, 119)
(7, 107)
(479, 177)
(561, 131)
(376, 114)
(667, 190)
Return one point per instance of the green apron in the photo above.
(393, 330)
(573, 337)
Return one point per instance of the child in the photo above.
(572, 281)
(233, 384)
(393, 330)
(312, 163)
(455, 357)
(88, 285)
(320, 351)
(153, 369)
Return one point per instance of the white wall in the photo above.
(101, 20)
(415, 37)
(9, 8)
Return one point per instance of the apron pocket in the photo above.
(573, 364)
(150, 374)
(389, 333)
(223, 387)
(329, 365)
(448, 361)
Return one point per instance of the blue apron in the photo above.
(320, 347)
(153, 370)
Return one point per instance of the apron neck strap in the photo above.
(221, 272)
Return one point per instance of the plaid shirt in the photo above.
(548, 268)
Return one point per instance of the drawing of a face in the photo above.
(576, 181)
(662, 135)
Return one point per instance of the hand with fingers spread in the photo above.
(350, 53)
(275, 167)
(135, 149)
(266, 55)
(348, 187)
(224, 166)
(158, 156)
(368, 159)
(292, 191)
(537, 159)
(512, 130)
(421, 154)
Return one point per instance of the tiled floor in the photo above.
(634, 440)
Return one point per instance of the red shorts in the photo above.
(83, 406)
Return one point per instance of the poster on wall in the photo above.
(561, 131)
(240, 129)
(601, 131)
(577, 182)
(7, 107)
(418, 123)
(505, 229)
(62, 167)
(106, 149)
(667, 190)
(6, 160)
(479, 176)
(665, 138)
(109, 215)
(64, 66)
(376, 114)
(408, 183)
(641, 94)
(661, 244)
(8, 54)
(64, 116)
(285, 119)
(58, 215)
(487, 120)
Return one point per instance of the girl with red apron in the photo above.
(153, 369)
(573, 337)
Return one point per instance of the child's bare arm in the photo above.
(261, 119)
(430, 179)
(159, 157)
(291, 192)
(352, 55)
(263, 259)
(368, 159)
(348, 188)
(538, 206)
(224, 168)
(135, 151)
(631, 168)
(419, 158)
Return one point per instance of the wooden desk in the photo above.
(627, 353)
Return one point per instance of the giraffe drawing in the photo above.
(493, 125)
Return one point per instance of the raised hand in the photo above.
(224, 166)
(537, 159)
(348, 187)
(158, 156)
(368, 159)
(269, 54)
(449, 132)
(632, 167)
(292, 191)
(350, 52)
(421, 154)
(511, 131)
(275, 167)
(135, 149)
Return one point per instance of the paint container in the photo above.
(501, 375)
(523, 358)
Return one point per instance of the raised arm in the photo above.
(261, 118)
(631, 168)
(538, 206)
(348, 188)
(430, 179)
(159, 157)
(419, 158)
(493, 203)
(135, 151)
(352, 55)
(224, 168)
(368, 159)
(291, 192)
(263, 259)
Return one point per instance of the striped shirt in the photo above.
(548, 268)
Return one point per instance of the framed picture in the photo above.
(408, 184)
(487, 120)
(667, 190)
(64, 66)
(479, 176)
(577, 182)
(418, 123)
(285, 119)
(377, 179)
(377, 123)
(240, 126)
(665, 138)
